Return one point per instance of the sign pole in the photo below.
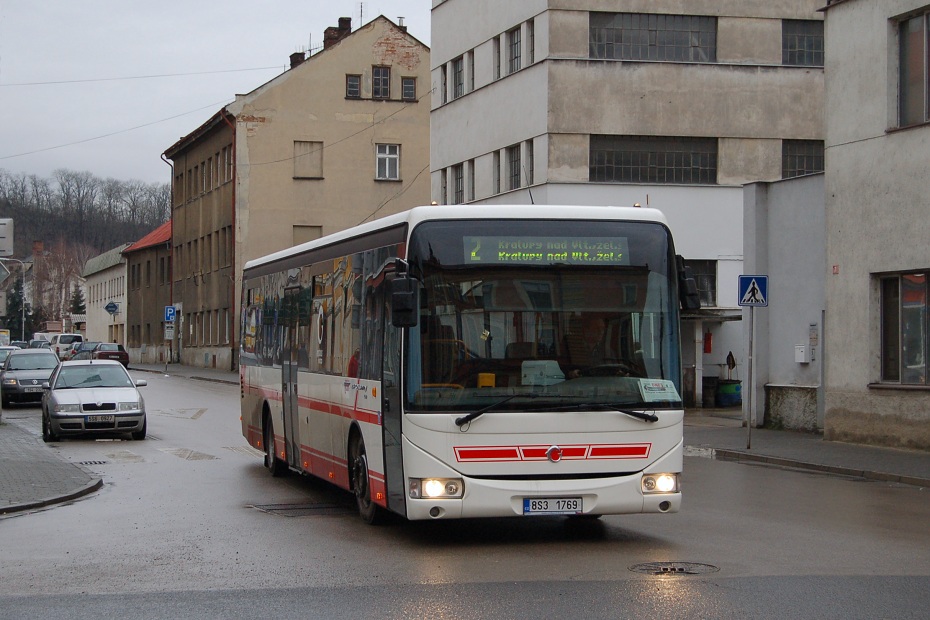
(752, 310)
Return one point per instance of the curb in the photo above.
(739, 456)
(87, 489)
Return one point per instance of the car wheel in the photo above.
(138, 435)
(276, 466)
(47, 434)
(370, 512)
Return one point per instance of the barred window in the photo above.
(802, 42)
(645, 36)
(458, 77)
(705, 276)
(513, 50)
(513, 167)
(653, 159)
(800, 157)
(458, 184)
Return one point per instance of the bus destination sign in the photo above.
(521, 250)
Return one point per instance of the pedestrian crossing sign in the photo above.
(754, 291)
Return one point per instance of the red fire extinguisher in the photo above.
(708, 342)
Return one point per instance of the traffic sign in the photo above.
(170, 314)
(754, 291)
(111, 307)
(169, 331)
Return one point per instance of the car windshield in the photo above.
(92, 376)
(32, 362)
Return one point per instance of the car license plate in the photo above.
(32, 389)
(98, 418)
(552, 505)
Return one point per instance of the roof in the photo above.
(159, 236)
(108, 259)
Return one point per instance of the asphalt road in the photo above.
(190, 525)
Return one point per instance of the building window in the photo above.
(800, 157)
(388, 162)
(408, 88)
(904, 328)
(705, 276)
(308, 160)
(496, 164)
(471, 179)
(353, 86)
(644, 36)
(443, 186)
(913, 63)
(530, 163)
(444, 83)
(497, 58)
(802, 42)
(653, 159)
(458, 77)
(513, 51)
(513, 167)
(458, 184)
(531, 42)
(381, 82)
(471, 71)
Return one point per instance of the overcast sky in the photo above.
(76, 85)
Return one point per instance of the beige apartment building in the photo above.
(105, 298)
(340, 138)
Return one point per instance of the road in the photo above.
(190, 525)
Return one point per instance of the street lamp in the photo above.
(23, 300)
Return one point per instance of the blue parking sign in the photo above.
(754, 291)
(170, 314)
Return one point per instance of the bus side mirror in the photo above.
(687, 287)
(405, 302)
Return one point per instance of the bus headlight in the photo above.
(660, 483)
(435, 488)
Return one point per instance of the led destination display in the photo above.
(521, 250)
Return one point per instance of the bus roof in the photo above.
(416, 215)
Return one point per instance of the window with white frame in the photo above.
(353, 86)
(914, 73)
(408, 87)
(388, 168)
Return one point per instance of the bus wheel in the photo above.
(358, 461)
(276, 466)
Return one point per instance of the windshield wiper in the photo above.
(648, 417)
(465, 419)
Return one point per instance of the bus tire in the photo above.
(276, 466)
(370, 512)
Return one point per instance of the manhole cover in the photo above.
(304, 510)
(673, 568)
(92, 463)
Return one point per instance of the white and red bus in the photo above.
(473, 361)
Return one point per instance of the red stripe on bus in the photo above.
(622, 451)
(509, 453)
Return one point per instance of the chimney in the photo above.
(297, 58)
(400, 24)
(334, 34)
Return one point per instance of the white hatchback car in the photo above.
(92, 397)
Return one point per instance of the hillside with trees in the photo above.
(76, 216)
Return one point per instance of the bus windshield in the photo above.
(564, 313)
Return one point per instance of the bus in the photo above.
(438, 363)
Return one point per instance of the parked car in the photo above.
(39, 343)
(61, 344)
(110, 351)
(22, 344)
(92, 397)
(5, 351)
(23, 373)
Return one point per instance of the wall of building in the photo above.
(783, 236)
(876, 219)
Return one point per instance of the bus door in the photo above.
(289, 359)
(391, 407)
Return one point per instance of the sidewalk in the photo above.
(33, 475)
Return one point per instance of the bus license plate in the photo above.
(98, 418)
(552, 505)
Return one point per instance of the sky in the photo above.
(106, 86)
